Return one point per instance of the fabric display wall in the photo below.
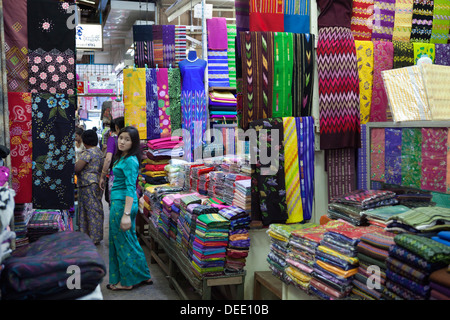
(282, 190)
(159, 46)
(218, 69)
(411, 157)
(41, 74)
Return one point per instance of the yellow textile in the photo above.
(155, 173)
(424, 49)
(337, 254)
(402, 20)
(277, 236)
(364, 55)
(134, 100)
(336, 270)
(297, 275)
(152, 188)
(436, 79)
(218, 95)
(150, 161)
(406, 94)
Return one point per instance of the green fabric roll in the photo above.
(174, 80)
(283, 69)
(441, 23)
(231, 35)
(411, 157)
(430, 250)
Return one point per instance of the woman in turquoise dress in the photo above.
(127, 263)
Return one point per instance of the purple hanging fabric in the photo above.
(442, 54)
(169, 45)
(393, 156)
(151, 89)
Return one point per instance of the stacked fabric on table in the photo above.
(373, 250)
(22, 216)
(209, 245)
(39, 270)
(229, 186)
(420, 220)
(196, 174)
(238, 238)
(159, 152)
(171, 213)
(411, 261)
(280, 235)
(216, 182)
(243, 194)
(440, 284)
(157, 209)
(379, 216)
(301, 256)
(222, 103)
(336, 260)
(186, 225)
(350, 206)
(45, 222)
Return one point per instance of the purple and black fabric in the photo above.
(169, 45)
(53, 131)
(361, 181)
(393, 156)
(442, 52)
(50, 25)
(151, 88)
(39, 270)
(143, 46)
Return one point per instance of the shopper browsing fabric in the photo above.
(107, 177)
(90, 204)
(79, 147)
(127, 263)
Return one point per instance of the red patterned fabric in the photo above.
(362, 16)
(21, 146)
(273, 22)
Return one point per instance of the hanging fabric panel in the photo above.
(338, 89)
(217, 33)
(441, 22)
(19, 104)
(180, 44)
(158, 46)
(257, 74)
(163, 102)
(231, 53)
(383, 52)
(296, 16)
(267, 15)
(393, 156)
(364, 54)
(423, 50)
(383, 19)
(434, 159)
(402, 20)
(422, 21)
(143, 45)
(53, 131)
(283, 69)
(169, 46)
(305, 137)
(442, 54)
(361, 181)
(341, 171)
(16, 44)
(377, 152)
(218, 74)
(48, 26)
(134, 99)
(361, 22)
(436, 79)
(403, 54)
(174, 78)
(411, 157)
(151, 95)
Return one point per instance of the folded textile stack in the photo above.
(410, 263)
(216, 184)
(442, 237)
(238, 238)
(157, 209)
(440, 284)
(411, 197)
(39, 270)
(301, 256)
(185, 223)
(229, 187)
(222, 103)
(373, 250)
(379, 216)
(45, 223)
(243, 194)
(336, 260)
(280, 235)
(196, 174)
(350, 205)
(209, 245)
(22, 216)
(171, 214)
(152, 172)
(420, 220)
(187, 174)
(165, 147)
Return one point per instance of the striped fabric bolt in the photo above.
(291, 169)
(180, 44)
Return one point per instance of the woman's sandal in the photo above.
(148, 282)
(114, 287)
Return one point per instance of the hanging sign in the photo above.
(89, 36)
(102, 84)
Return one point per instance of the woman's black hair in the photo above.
(135, 144)
(119, 122)
(79, 131)
(90, 138)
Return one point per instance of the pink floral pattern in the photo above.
(434, 159)
(51, 72)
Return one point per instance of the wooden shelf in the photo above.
(222, 88)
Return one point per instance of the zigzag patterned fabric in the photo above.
(338, 89)
(422, 21)
(257, 73)
(383, 19)
(362, 15)
(403, 20)
(441, 22)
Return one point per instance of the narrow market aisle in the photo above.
(160, 289)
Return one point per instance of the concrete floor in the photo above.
(160, 289)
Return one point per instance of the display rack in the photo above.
(178, 261)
